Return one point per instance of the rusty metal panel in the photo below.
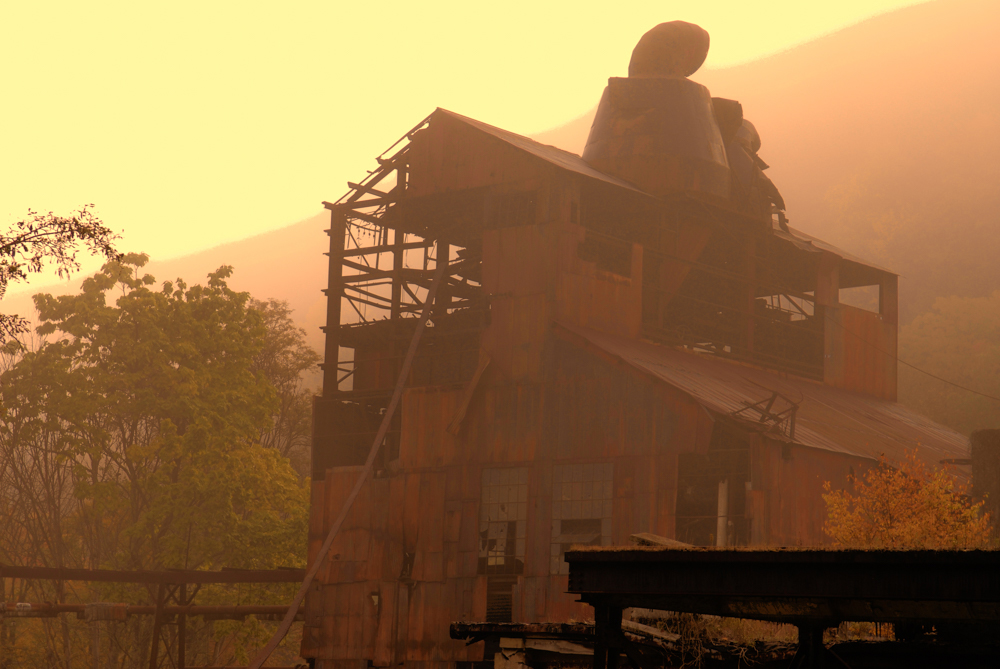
(593, 297)
(862, 347)
(382, 653)
(787, 485)
(317, 520)
(415, 622)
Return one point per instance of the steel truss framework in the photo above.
(382, 263)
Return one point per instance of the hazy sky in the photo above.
(189, 124)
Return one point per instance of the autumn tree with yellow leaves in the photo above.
(906, 505)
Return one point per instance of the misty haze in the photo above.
(708, 375)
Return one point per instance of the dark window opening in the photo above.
(867, 298)
(499, 599)
(713, 486)
(343, 433)
(609, 255)
(507, 210)
(735, 304)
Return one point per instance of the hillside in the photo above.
(883, 139)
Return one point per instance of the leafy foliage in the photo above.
(905, 507)
(958, 340)
(132, 440)
(284, 359)
(41, 239)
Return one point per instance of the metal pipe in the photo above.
(722, 519)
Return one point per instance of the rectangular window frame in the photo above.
(582, 497)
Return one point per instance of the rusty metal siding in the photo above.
(787, 488)
(591, 406)
(587, 409)
(596, 298)
(861, 348)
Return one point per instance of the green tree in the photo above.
(39, 240)
(285, 359)
(131, 440)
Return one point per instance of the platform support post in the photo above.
(607, 636)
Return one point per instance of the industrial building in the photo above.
(632, 340)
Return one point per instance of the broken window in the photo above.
(503, 511)
(582, 497)
(786, 308)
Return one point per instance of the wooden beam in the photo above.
(413, 295)
(354, 299)
(372, 179)
(358, 266)
(154, 644)
(365, 217)
(361, 291)
(364, 188)
(385, 248)
(398, 238)
(335, 288)
(412, 275)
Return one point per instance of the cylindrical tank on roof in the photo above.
(657, 128)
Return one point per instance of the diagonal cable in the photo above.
(324, 551)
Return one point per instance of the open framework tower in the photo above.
(630, 341)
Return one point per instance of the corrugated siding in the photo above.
(861, 347)
(786, 501)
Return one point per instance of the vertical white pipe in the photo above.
(722, 520)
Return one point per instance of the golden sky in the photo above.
(189, 124)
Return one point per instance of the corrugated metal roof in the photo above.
(805, 241)
(558, 157)
(827, 418)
